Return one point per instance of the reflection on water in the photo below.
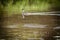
(17, 28)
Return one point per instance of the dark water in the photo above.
(9, 32)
